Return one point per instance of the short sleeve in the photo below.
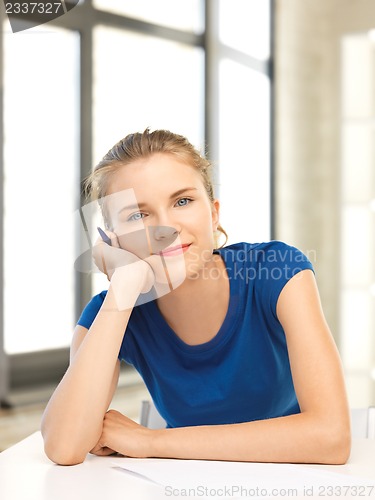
(276, 265)
(91, 310)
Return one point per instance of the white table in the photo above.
(27, 474)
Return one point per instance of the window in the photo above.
(40, 187)
(244, 25)
(142, 81)
(183, 15)
(244, 109)
(79, 83)
(244, 151)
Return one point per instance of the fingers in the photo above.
(108, 257)
(111, 236)
(102, 451)
(106, 238)
(98, 256)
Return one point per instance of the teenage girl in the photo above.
(231, 342)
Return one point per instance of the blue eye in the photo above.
(182, 202)
(136, 217)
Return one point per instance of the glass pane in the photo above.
(187, 15)
(245, 26)
(41, 178)
(244, 152)
(153, 83)
(161, 92)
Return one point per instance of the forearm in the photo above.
(73, 418)
(301, 438)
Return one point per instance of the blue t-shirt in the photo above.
(241, 374)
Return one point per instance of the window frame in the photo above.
(41, 367)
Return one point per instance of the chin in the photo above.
(169, 271)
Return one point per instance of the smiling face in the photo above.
(168, 196)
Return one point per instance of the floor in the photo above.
(25, 415)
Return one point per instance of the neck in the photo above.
(195, 288)
(196, 310)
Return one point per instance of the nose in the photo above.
(161, 237)
(164, 232)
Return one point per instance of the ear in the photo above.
(215, 214)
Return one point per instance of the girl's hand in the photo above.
(122, 435)
(109, 258)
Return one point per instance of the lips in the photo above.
(175, 250)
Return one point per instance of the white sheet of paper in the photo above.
(241, 479)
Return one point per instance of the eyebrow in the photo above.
(142, 205)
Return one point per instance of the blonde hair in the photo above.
(142, 145)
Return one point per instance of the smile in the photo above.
(176, 250)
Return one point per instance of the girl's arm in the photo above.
(319, 434)
(73, 419)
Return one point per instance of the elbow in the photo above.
(343, 447)
(338, 446)
(59, 448)
(61, 457)
(61, 454)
